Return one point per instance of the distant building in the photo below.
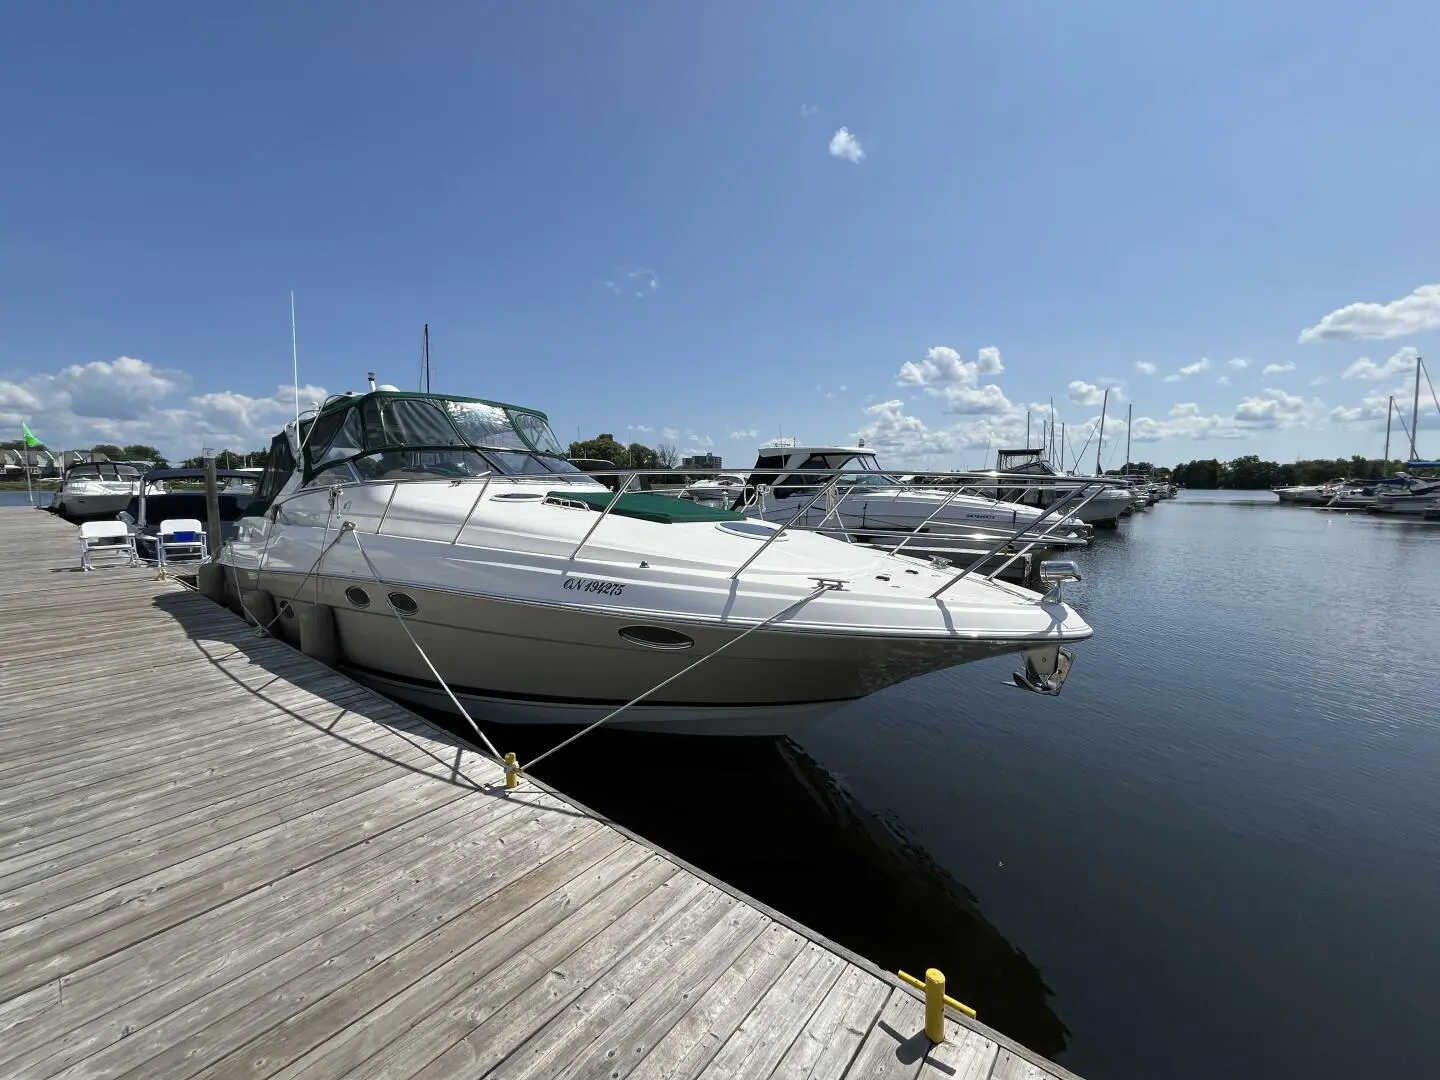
(701, 461)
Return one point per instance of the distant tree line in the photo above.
(636, 455)
(228, 459)
(606, 447)
(133, 452)
(1249, 473)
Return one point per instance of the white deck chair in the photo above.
(108, 539)
(180, 536)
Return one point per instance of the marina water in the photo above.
(1217, 854)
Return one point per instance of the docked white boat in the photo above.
(99, 489)
(1104, 507)
(870, 506)
(539, 596)
(721, 490)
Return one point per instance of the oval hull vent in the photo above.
(357, 596)
(405, 605)
(657, 637)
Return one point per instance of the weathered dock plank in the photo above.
(221, 859)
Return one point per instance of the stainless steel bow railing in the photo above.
(1055, 525)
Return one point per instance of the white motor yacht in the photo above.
(723, 489)
(99, 489)
(870, 506)
(540, 596)
(1103, 508)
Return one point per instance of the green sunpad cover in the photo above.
(649, 507)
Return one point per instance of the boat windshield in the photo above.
(403, 436)
(104, 470)
(872, 476)
(805, 482)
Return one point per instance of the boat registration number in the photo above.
(590, 585)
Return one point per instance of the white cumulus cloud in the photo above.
(1275, 409)
(974, 399)
(1189, 369)
(808, 110)
(1084, 393)
(744, 434)
(943, 364)
(1144, 367)
(1277, 369)
(1238, 362)
(847, 146)
(129, 400)
(1411, 314)
(1365, 368)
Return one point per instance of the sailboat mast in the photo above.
(1389, 411)
(1062, 447)
(1129, 412)
(1099, 471)
(1027, 417)
(1050, 446)
(1415, 409)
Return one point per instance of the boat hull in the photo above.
(90, 507)
(517, 662)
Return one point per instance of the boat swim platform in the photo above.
(219, 858)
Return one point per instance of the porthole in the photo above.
(657, 637)
(357, 596)
(403, 604)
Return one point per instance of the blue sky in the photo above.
(683, 222)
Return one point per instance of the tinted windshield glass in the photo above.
(516, 464)
(871, 466)
(407, 422)
(421, 465)
(538, 432)
(484, 425)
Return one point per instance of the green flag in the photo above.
(30, 440)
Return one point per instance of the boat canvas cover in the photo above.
(665, 509)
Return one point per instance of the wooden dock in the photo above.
(219, 858)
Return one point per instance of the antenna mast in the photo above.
(425, 352)
(294, 361)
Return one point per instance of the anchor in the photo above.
(1045, 670)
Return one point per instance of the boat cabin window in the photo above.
(804, 482)
(345, 441)
(104, 470)
(278, 467)
(537, 431)
(321, 430)
(485, 425)
(407, 422)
